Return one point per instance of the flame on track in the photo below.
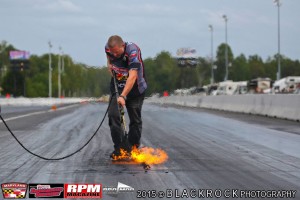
(145, 155)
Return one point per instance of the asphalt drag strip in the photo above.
(206, 150)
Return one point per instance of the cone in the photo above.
(53, 107)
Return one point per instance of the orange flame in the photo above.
(145, 155)
(123, 155)
(149, 155)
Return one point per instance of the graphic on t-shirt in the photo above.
(121, 73)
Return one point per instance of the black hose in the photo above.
(67, 156)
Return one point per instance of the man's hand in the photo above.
(121, 101)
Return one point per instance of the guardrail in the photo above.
(285, 106)
(21, 101)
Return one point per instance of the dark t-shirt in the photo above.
(130, 60)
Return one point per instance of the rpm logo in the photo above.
(83, 191)
(14, 190)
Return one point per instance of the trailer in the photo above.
(231, 88)
(286, 85)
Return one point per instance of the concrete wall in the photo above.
(21, 101)
(286, 106)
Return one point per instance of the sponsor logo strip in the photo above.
(46, 190)
(83, 191)
(14, 190)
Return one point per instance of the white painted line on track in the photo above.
(40, 112)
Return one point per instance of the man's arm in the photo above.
(130, 82)
(128, 86)
(134, 65)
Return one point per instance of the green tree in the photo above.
(240, 69)
(289, 67)
(256, 66)
(161, 73)
(220, 62)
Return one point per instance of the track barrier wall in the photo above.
(285, 106)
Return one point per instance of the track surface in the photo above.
(207, 150)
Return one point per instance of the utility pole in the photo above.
(278, 4)
(226, 48)
(212, 54)
(59, 72)
(50, 71)
(63, 71)
(3, 47)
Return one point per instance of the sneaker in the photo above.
(128, 148)
(115, 153)
(136, 148)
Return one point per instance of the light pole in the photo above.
(50, 71)
(278, 4)
(63, 62)
(211, 29)
(3, 47)
(63, 69)
(226, 48)
(59, 72)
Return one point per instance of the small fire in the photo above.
(145, 155)
(123, 155)
(149, 155)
